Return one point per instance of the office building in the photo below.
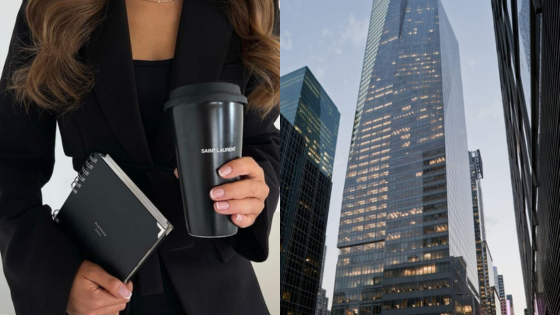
(501, 291)
(496, 282)
(406, 237)
(322, 303)
(498, 307)
(500, 286)
(510, 299)
(503, 303)
(309, 123)
(310, 110)
(508, 307)
(528, 51)
(483, 257)
(322, 299)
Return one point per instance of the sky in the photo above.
(330, 36)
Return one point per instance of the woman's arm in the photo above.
(38, 259)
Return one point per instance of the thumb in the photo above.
(111, 284)
(176, 173)
(129, 285)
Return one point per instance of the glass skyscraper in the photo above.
(406, 235)
(483, 257)
(510, 301)
(309, 109)
(309, 122)
(528, 50)
(322, 299)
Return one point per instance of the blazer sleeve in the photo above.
(261, 141)
(39, 261)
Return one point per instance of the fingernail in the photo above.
(125, 293)
(238, 217)
(222, 205)
(224, 171)
(176, 174)
(216, 193)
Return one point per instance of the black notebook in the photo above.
(110, 220)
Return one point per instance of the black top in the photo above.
(152, 81)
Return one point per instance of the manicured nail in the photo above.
(216, 193)
(225, 171)
(238, 217)
(222, 205)
(125, 293)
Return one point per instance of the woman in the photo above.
(102, 69)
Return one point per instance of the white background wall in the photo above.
(57, 189)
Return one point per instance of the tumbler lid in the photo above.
(205, 92)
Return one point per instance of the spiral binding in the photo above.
(82, 176)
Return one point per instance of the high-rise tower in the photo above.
(528, 49)
(483, 257)
(309, 123)
(406, 235)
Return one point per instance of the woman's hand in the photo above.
(95, 292)
(242, 199)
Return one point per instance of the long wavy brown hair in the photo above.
(54, 79)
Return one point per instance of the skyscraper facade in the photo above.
(483, 257)
(503, 302)
(501, 288)
(309, 109)
(406, 237)
(322, 299)
(496, 282)
(497, 310)
(309, 122)
(510, 299)
(501, 293)
(322, 303)
(528, 50)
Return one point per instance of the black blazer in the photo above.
(211, 276)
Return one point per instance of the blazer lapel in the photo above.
(109, 51)
(201, 48)
(202, 43)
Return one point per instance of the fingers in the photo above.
(244, 166)
(243, 220)
(89, 294)
(243, 212)
(103, 299)
(110, 310)
(245, 206)
(245, 188)
(244, 199)
(111, 284)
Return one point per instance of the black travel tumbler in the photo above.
(208, 127)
